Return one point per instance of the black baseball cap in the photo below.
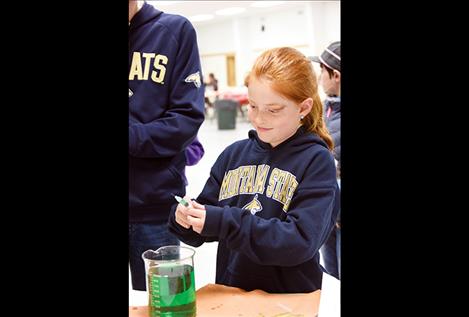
(330, 57)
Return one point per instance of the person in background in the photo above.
(329, 79)
(166, 109)
(270, 200)
(212, 82)
(211, 86)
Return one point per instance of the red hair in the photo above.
(291, 74)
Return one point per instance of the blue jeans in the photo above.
(144, 236)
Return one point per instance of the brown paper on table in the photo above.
(214, 300)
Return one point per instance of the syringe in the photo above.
(181, 201)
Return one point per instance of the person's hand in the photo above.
(180, 214)
(195, 216)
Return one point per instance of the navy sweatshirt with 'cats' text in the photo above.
(166, 109)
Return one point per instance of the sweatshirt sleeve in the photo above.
(171, 133)
(194, 152)
(209, 195)
(290, 241)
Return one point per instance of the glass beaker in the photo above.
(170, 281)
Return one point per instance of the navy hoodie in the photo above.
(166, 109)
(271, 209)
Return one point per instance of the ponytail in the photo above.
(314, 122)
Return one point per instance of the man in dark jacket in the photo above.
(166, 109)
(329, 79)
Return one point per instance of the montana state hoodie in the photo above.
(271, 209)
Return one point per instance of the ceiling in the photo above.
(190, 9)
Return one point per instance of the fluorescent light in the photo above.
(201, 17)
(265, 4)
(230, 11)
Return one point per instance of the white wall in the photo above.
(215, 41)
(284, 28)
(309, 28)
(215, 64)
(324, 24)
(215, 38)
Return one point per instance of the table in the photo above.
(214, 300)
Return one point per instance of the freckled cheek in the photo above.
(251, 115)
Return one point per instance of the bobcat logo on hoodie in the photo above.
(194, 78)
(254, 206)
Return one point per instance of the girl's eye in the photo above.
(273, 111)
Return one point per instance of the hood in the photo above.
(301, 140)
(146, 13)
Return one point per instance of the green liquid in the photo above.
(171, 291)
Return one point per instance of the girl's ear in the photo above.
(306, 106)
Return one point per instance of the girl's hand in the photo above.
(180, 214)
(195, 216)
